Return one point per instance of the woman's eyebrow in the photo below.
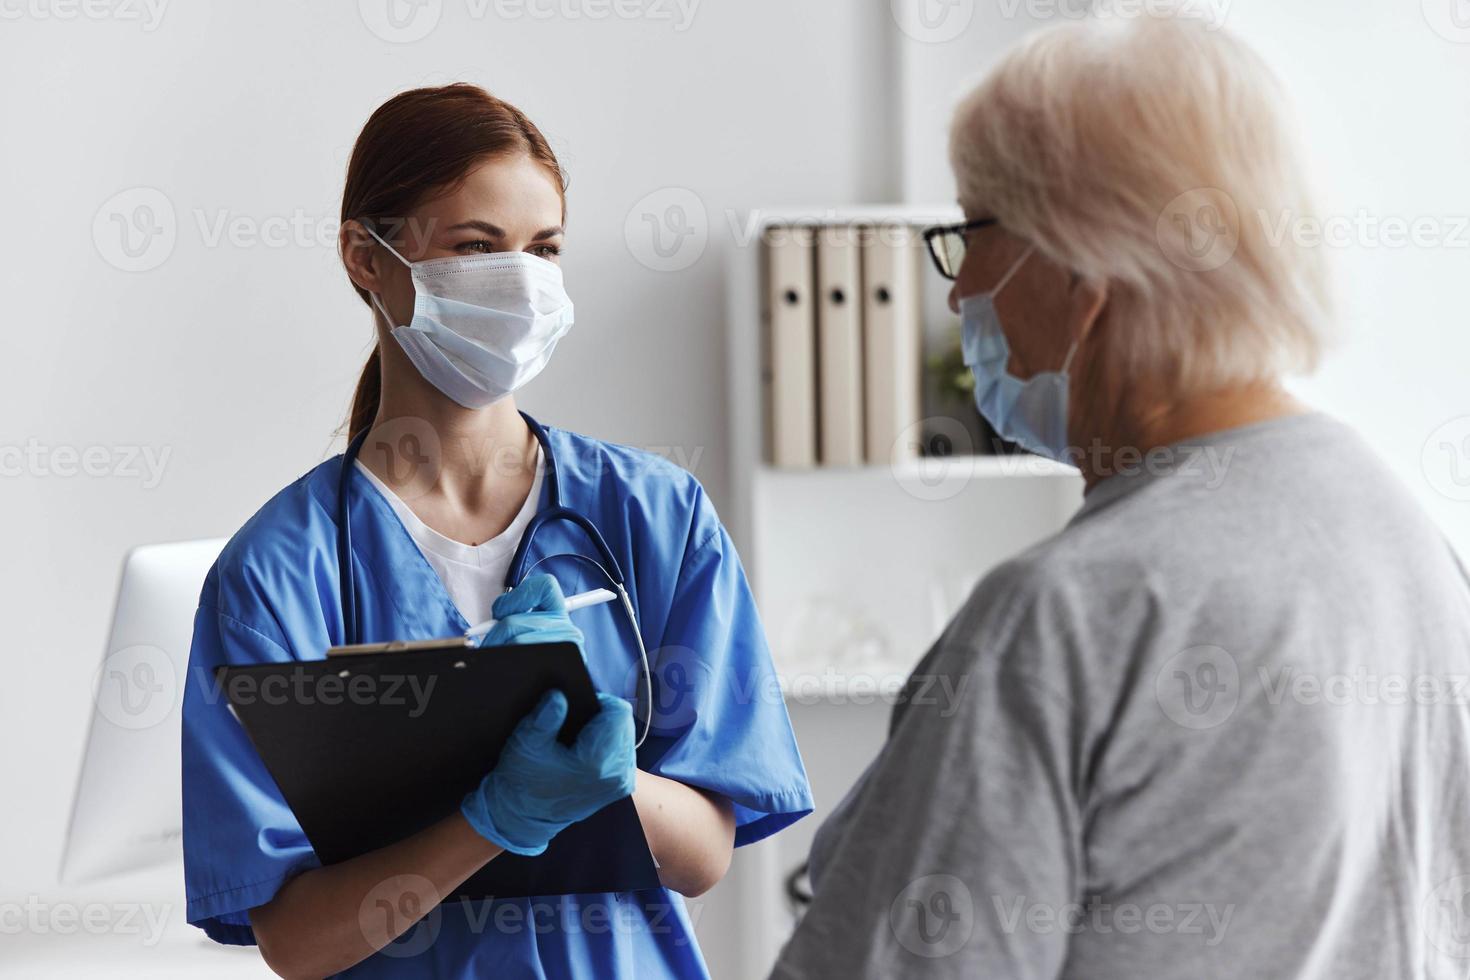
(494, 231)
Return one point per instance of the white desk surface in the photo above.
(44, 934)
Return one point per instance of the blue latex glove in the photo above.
(533, 612)
(539, 786)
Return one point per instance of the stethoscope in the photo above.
(516, 573)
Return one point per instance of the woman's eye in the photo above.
(478, 245)
(549, 252)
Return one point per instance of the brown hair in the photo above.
(418, 143)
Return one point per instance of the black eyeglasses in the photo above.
(947, 244)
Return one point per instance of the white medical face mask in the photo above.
(1032, 413)
(483, 325)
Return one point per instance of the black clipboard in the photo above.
(365, 766)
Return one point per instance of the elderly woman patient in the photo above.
(1212, 728)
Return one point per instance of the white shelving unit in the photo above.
(856, 570)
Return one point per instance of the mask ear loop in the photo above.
(1011, 272)
(1071, 353)
(377, 300)
(632, 618)
(384, 243)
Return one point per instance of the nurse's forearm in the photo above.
(325, 920)
(691, 832)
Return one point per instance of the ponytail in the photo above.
(367, 397)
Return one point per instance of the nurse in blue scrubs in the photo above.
(452, 231)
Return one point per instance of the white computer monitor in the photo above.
(127, 813)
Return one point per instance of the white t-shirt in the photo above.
(473, 574)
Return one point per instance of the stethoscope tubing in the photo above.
(515, 573)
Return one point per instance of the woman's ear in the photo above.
(360, 256)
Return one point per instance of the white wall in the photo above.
(238, 360)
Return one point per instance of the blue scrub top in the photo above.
(719, 722)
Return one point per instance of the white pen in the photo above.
(574, 602)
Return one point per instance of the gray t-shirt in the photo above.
(1218, 726)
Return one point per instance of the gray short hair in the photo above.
(1117, 146)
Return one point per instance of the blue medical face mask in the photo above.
(483, 325)
(1032, 412)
